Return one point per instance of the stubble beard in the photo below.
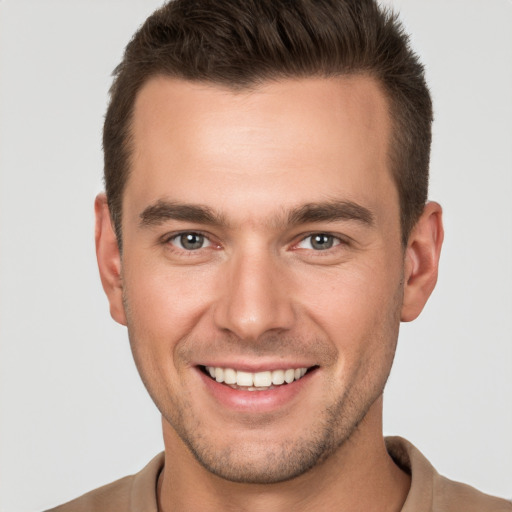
(261, 462)
(257, 463)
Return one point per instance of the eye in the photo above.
(190, 241)
(319, 242)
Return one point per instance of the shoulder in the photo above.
(114, 496)
(455, 496)
(431, 491)
(131, 493)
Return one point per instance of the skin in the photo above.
(258, 295)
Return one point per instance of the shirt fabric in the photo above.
(429, 492)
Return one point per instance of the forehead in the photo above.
(290, 141)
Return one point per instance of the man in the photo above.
(265, 229)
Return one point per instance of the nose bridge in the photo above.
(254, 299)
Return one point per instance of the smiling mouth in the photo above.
(258, 381)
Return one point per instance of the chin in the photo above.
(261, 463)
(257, 457)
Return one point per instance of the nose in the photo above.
(255, 297)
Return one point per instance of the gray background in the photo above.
(73, 412)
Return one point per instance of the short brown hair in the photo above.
(243, 43)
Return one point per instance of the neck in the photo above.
(359, 476)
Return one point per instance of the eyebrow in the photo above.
(329, 211)
(165, 210)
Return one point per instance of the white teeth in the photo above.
(277, 377)
(258, 381)
(262, 379)
(289, 375)
(244, 378)
(229, 376)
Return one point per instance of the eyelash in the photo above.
(337, 241)
(167, 240)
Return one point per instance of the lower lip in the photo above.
(255, 401)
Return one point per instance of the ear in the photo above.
(422, 261)
(109, 259)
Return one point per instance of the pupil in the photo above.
(192, 241)
(322, 242)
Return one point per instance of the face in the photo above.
(261, 246)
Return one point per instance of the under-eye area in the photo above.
(257, 381)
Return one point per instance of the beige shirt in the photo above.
(430, 492)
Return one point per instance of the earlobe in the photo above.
(109, 259)
(422, 261)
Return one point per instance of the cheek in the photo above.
(364, 328)
(163, 306)
(358, 310)
(353, 297)
(167, 302)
